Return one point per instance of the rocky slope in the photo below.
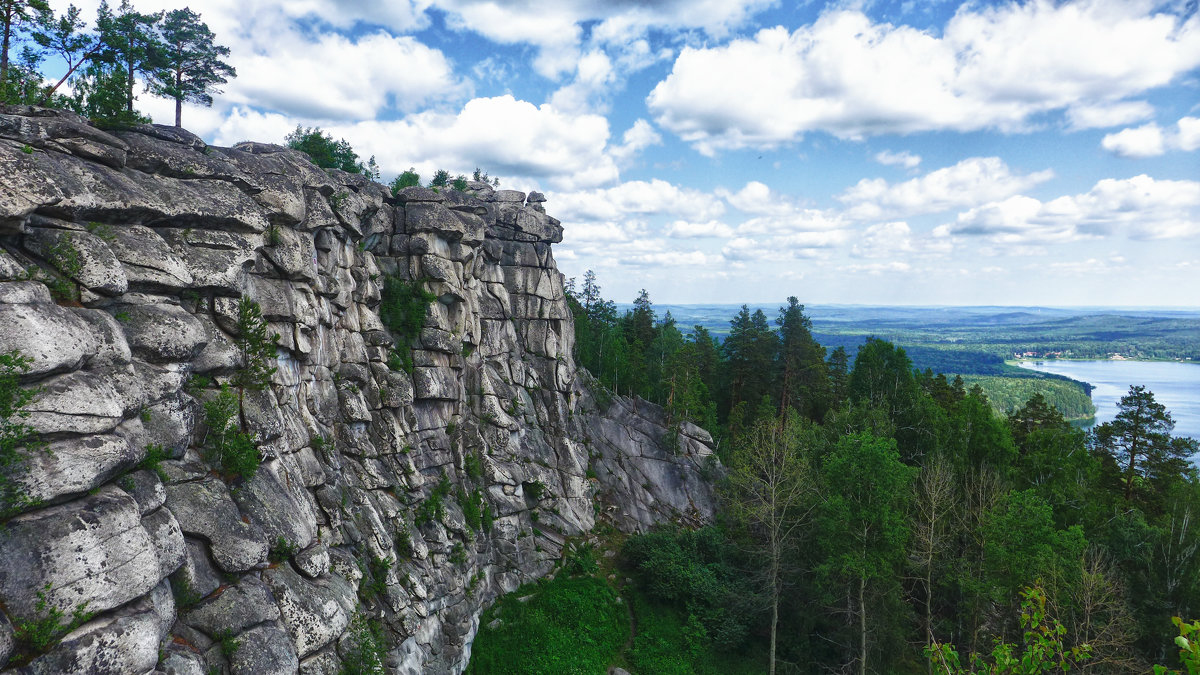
(157, 236)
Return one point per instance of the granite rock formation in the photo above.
(156, 236)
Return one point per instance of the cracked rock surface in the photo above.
(168, 563)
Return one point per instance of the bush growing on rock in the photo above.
(231, 448)
(16, 438)
(40, 634)
(403, 306)
(255, 345)
(324, 151)
(409, 178)
(366, 650)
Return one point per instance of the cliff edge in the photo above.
(407, 489)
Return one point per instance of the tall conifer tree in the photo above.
(190, 65)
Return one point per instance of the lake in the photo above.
(1175, 385)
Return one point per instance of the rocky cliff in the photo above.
(409, 498)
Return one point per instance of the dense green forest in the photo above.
(875, 518)
(1010, 393)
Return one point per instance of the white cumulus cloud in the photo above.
(972, 181)
(1150, 140)
(852, 77)
(1139, 207)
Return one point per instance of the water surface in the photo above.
(1175, 385)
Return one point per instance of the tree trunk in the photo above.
(178, 99)
(8, 18)
(862, 625)
(774, 626)
(129, 99)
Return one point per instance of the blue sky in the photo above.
(886, 152)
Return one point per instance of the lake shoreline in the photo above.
(1173, 382)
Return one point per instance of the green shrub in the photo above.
(185, 596)
(40, 634)
(67, 260)
(458, 554)
(229, 644)
(155, 454)
(17, 439)
(367, 650)
(403, 306)
(434, 508)
(256, 346)
(474, 508)
(473, 466)
(441, 179)
(281, 550)
(535, 490)
(568, 626)
(691, 571)
(324, 151)
(234, 450)
(374, 582)
(459, 183)
(581, 560)
(409, 178)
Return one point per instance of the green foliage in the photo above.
(400, 361)
(39, 634)
(473, 506)
(282, 550)
(27, 149)
(155, 454)
(256, 347)
(483, 177)
(409, 178)
(1041, 649)
(434, 507)
(228, 643)
(535, 490)
(441, 179)
(374, 583)
(1009, 393)
(403, 307)
(17, 439)
(68, 261)
(1188, 642)
(185, 596)
(473, 466)
(189, 65)
(580, 560)
(366, 653)
(697, 573)
(672, 641)
(459, 183)
(234, 450)
(458, 554)
(567, 626)
(324, 151)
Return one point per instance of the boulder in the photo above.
(205, 509)
(161, 333)
(94, 550)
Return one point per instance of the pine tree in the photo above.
(17, 17)
(190, 64)
(130, 45)
(66, 36)
(803, 378)
(1139, 441)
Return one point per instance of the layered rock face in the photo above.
(358, 506)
